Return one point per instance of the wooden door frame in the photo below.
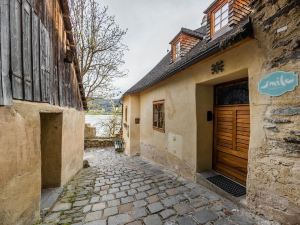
(214, 153)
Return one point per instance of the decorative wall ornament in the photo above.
(218, 67)
(278, 83)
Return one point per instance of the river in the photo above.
(98, 121)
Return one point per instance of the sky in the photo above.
(151, 25)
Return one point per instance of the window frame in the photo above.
(157, 128)
(213, 17)
(177, 50)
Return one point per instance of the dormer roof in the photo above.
(198, 33)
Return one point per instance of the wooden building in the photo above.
(41, 105)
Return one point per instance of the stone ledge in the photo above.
(98, 143)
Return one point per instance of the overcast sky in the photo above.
(151, 25)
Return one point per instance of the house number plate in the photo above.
(278, 83)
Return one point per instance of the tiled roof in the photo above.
(164, 69)
(198, 33)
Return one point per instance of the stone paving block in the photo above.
(96, 222)
(53, 217)
(124, 188)
(125, 208)
(170, 201)
(186, 220)
(127, 199)
(131, 192)
(61, 207)
(95, 199)
(144, 188)
(119, 219)
(153, 191)
(113, 190)
(115, 202)
(152, 199)
(167, 213)
(141, 195)
(155, 207)
(139, 203)
(80, 203)
(153, 220)
(108, 197)
(135, 185)
(93, 216)
(121, 194)
(87, 208)
(242, 220)
(98, 206)
(110, 212)
(205, 215)
(135, 223)
(137, 213)
(104, 192)
(183, 208)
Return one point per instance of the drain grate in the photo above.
(228, 185)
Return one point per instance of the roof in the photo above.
(210, 6)
(164, 69)
(198, 33)
(68, 26)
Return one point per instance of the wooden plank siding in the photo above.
(238, 10)
(5, 84)
(34, 38)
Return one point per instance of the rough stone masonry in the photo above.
(274, 178)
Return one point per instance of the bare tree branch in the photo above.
(99, 46)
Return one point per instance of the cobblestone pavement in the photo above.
(117, 189)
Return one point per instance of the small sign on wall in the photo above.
(278, 83)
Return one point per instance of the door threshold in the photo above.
(202, 179)
(48, 198)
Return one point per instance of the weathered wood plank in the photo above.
(36, 58)
(44, 62)
(27, 63)
(5, 86)
(16, 48)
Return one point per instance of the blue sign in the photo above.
(278, 83)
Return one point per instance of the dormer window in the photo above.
(177, 50)
(220, 17)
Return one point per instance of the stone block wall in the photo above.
(274, 175)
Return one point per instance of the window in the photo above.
(177, 50)
(221, 17)
(159, 116)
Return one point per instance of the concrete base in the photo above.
(201, 178)
(48, 198)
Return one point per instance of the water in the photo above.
(99, 122)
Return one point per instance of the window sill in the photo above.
(159, 129)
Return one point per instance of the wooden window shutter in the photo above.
(44, 62)
(27, 64)
(5, 86)
(16, 48)
(36, 58)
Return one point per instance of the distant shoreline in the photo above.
(101, 114)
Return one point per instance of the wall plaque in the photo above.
(278, 83)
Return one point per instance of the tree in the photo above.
(99, 46)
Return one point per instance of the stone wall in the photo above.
(274, 176)
(20, 161)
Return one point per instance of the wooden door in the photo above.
(232, 132)
(232, 129)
